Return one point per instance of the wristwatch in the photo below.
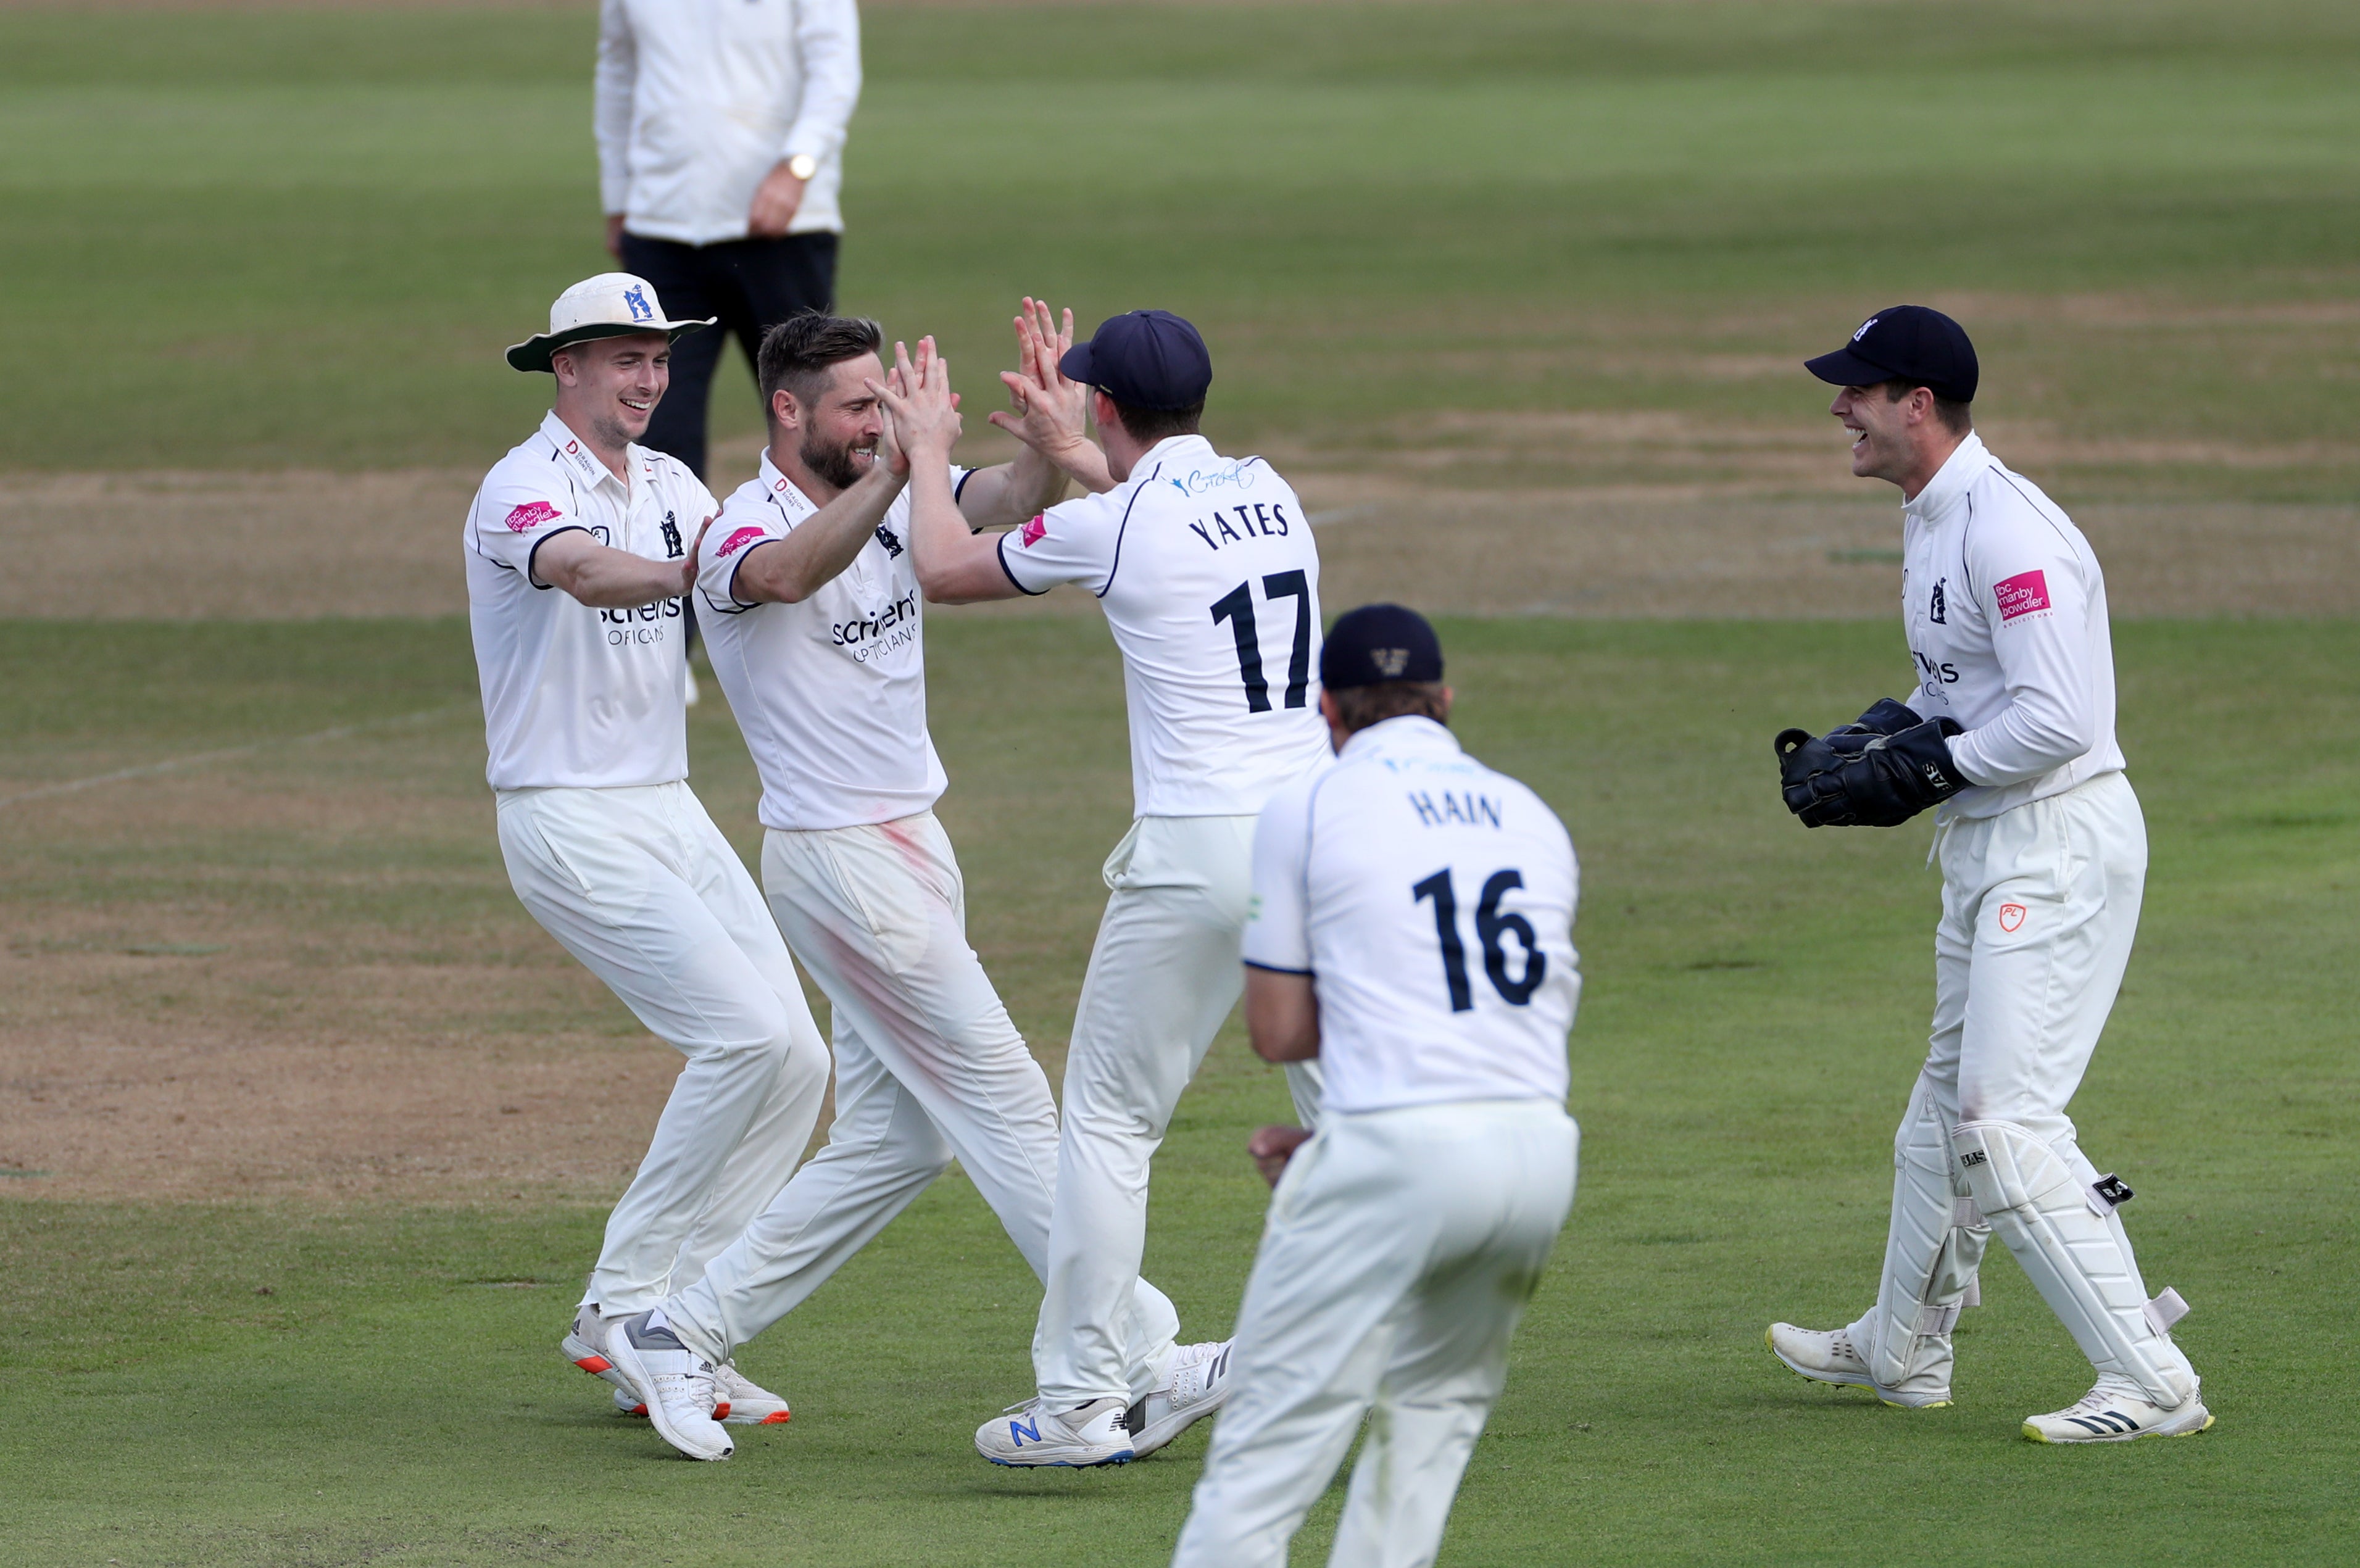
(802, 166)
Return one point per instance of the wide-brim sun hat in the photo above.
(611, 305)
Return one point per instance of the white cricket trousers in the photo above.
(1401, 1248)
(639, 885)
(1167, 967)
(2039, 907)
(928, 1067)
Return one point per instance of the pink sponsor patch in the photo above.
(532, 514)
(1032, 533)
(2022, 594)
(735, 542)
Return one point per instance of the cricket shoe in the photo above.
(673, 1381)
(628, 1404)
(1828, 1356)
(584, 1346)
(1026, 1435)
(741, 1401)
(1192, 1390)
(2118, 1410)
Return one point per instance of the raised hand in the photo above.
(1050, 413)
(917, 395)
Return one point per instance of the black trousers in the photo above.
(752, 284)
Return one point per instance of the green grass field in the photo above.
(1756, 1007)
(258, 238)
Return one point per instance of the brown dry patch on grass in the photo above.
(1648, 514)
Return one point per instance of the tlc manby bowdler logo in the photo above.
(530, 516)
(2025, 593)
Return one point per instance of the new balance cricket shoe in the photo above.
(674, 1383)
(2118, 1410)
(584, 1346)
(1192, 1390)
(744, 1403)
(1026, 1435)
(1828, 1356)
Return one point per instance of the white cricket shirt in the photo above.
(2005, 611)
(1431, 900)
(1210, 582)
(830, 693)
(574, 696)
(697, 100)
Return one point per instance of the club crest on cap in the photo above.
(637, 301)
(1390, 661)
(1863, 329)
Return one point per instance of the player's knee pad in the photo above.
(2062, 1234)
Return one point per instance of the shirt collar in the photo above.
(1951, 481)
(785, 490)
(572, 449)
(1404, 735)
(1191, 447)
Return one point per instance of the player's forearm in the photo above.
(605, 577)
(955, 565)
(792, 570)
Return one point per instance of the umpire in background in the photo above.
(720, 127)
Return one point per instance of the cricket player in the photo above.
(817, 632)
(1210, 582)
(2011, 733)
(579, 548)
(1413, 928)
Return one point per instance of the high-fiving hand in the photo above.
(920, 404)
(1050, 413)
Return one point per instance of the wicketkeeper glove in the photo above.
(1878, 772)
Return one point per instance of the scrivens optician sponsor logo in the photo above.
(642, 625)
(530, 516)
(872, 636)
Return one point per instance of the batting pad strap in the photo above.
(2166, 1310)
(1964, 1215)
(2108, 1194)
(1933, 1319)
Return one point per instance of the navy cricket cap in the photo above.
(1905, 343)
(1378, 643)
(1146, 359)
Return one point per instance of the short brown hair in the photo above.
(1357, 707)
(1956, 417)
(799, 351)
(1153, 425)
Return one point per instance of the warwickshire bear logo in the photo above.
(636, 300)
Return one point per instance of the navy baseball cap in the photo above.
(1905, 343)
(1146, 359)
(1378, 643)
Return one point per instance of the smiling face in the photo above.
(608, 388)
(835, 432)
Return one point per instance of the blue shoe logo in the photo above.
(1018, 1432)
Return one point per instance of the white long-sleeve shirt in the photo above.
(697, 100)
(2005, 611)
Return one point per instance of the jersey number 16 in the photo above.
(1491, 925)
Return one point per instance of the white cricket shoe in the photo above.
(584, 1346)
(628, 1404)
(742, 1401)
(1025, 1435)
(1828, 1356)
(1192, 1390)
(674, 1383)
(2118, 1410)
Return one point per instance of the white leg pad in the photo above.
(2041, 1210)
(1931, 1255)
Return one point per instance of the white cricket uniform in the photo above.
(1431, 901)
(695, 100)
(1210, 582)
(614, 856)
(2043, 859)
(831, 695)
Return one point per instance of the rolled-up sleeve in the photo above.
(619, 70)
(828, 42)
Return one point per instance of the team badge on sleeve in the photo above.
(530, 516)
